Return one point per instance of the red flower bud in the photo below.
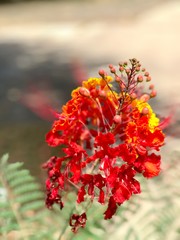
(145, 111)
(113, 70)
(102, 73)
(84, 92)
(121, 68)
(137, 69)
(145, 97)
(153, 93)
(128, 71)
(133, 96)
(151, 86)
(117, 119)
(140, 78)
(102, 94)
(117, 79)
(148, 79)
(146, 74)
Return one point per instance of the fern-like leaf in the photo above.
(20, 198)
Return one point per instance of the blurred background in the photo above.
(48, 47)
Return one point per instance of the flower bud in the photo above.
(117, 79)
(121, 68)
(137, 69)
(148, 79)
(113, 70)
(146, 74)
(117, 119)
(102, 73)
(102, 93)
(140, 78)
(153, 93)
(84, 92)
(145, 97)
(151, 86)
(145, 111)
(127, 70)
(133, 96)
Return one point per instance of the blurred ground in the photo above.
(40, 42)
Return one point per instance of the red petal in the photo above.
(101, 197)
(121, 193)
(104, 139)
(81, 194)
(128, 154)
(152, 166)
(111, 210)
(54, 139)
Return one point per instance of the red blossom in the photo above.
(107, 138)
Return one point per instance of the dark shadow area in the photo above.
(29, 93)
(17, 80)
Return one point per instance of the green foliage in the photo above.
(21, 202)
(152, 215)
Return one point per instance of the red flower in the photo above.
(107, 138)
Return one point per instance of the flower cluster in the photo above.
(109, 134)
